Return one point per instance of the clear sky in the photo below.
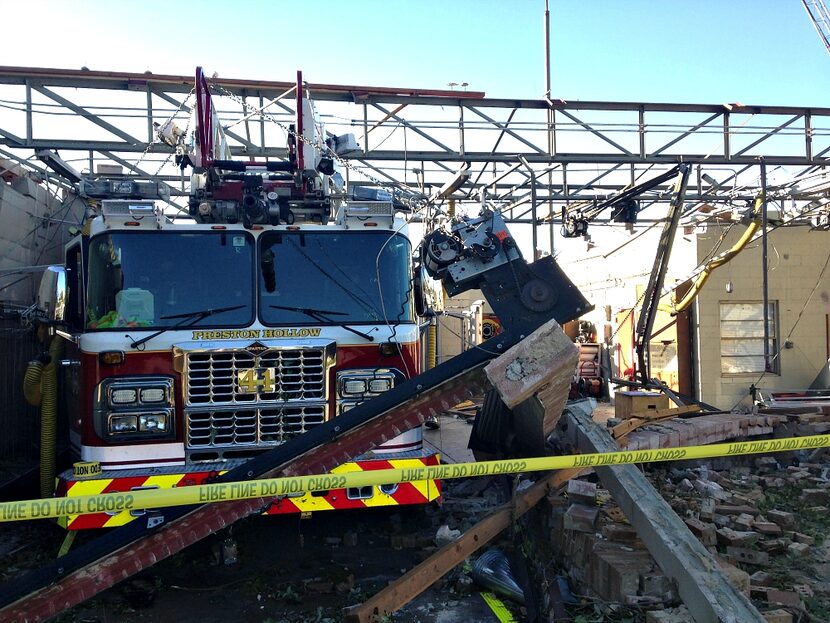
(690, 51)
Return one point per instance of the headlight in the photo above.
(123, 396)
(153, 394)
(136, 407)
(354, 386)
(365, 383)
(152, 423)
(121, 391)
(121, 424)
(378, 386)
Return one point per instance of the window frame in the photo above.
(774, 339)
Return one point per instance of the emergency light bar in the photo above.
(356, 213)
(130, 212)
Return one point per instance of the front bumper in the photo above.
(417, 492)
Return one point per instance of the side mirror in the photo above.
(52, 295)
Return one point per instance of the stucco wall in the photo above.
(796, 258)
(33, 230)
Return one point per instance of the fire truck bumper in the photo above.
(393, 494)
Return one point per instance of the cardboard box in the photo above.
(628, 403)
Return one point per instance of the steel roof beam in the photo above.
(86, 114)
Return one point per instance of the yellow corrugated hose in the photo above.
(40, 388)
(31, 383)
(49, 419)
(432, 343)
(719, 261)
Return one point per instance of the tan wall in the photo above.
(796, 258)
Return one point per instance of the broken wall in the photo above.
(34, 227)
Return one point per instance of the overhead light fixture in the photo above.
(710, 180)
(52, 160)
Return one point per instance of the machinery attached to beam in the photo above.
(480, 253)
(625, 206)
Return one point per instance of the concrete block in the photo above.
(778, 616)
(743, 521)
(705, 532)
(799, 549)
(767, 528)
(582, 492)
(784, 598)
(748, 556)
(581, 518)
(800, 537)
(728, 536)
(773, 547)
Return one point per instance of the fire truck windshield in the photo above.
(363, 276)
(148, 279)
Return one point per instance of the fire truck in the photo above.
(192, 345)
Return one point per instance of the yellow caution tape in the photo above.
(86, 470)
(499, 609)
(275, 487)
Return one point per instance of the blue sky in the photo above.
(692, 51)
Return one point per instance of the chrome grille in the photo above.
(298, 374)
(250, 427)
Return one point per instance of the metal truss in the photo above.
(532, 157)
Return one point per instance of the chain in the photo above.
(155, 141)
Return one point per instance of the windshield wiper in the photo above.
(320, 315)
(187, 319)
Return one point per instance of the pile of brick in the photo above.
(733, 513)
(604, 557)
(760, 518)
(703, 429)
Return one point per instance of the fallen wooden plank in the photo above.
(659, 414)
(644, 418)
(702, 585)
(627, 426)
(420, 578)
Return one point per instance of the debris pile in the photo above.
(764, 518)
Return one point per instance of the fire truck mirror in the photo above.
(52, 294)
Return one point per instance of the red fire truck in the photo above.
(191, 345)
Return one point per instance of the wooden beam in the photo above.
(704, 588)
(420, 578)
(638, 420)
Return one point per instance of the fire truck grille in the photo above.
(250, 428)
(239, 377)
